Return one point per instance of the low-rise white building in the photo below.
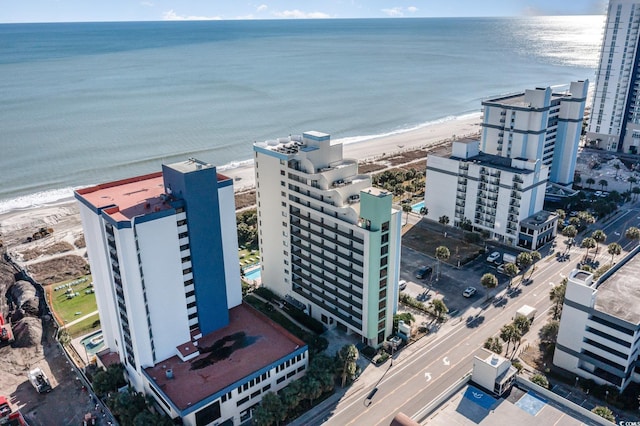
(501, 196)
(494, 373)
(328, 239)
(599, 335)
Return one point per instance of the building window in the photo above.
(385, 227)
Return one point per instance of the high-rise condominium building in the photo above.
(537, 125)
(614, 123)
(164, 257)
(501, 196)
(328, 239)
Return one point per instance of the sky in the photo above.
(12, 11)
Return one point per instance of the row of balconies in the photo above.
(344, 312)
(332, 266)
(324, 236)
(295, 212)
(323, 247)
(353, 298)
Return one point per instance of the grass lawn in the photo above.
(245, 256)
(85, 326)
(70, 309)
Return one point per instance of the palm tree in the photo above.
(603, 183)
(489, 281)
(590, 181)
(588, 243)
(508, 334)
(511, 270)
(556, 295)
(632, 233)
(617, 167)
(522, 323)
(424, 211)
(444, 220)
(599, 237)
(631, 181)
(614, 249)
(407, 209)
(442, 254)
(570, 232)
(524, 260)
(535, 257)
(439, 308)
(348, 356)
(561, 214)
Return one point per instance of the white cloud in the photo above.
(262, 8)
(147, 3)
(412, 9)
(171, 15)
(393, 12)
(298, 14)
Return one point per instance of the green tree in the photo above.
(444, 221)
(535, 257)
(588, 243)
(109, 380)
(632, 233)
(407, 317)
(614, 249)
(549, 332)
(424, 211)
(442, 254)
(438, 307)
(599, 237)
(570, 232)
(556, 295)
(407, 209)
(311, 389)
(540, 380)
(493, 344)
(148, 418)
(64, 337)
(348, 361)
(590, 181)
(522, 323)
(511, 270)
(524, 260)
(269, 411)
(605, 413)
(489, 281)
(127, 405)
(509, 334)
(603, 183)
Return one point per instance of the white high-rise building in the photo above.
(328, 239)
(539, 124)
(501, 196)
(163, 251)
(614, 124)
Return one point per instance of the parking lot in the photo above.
(451, 282)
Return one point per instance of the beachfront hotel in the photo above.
(614, 123)
(538, 124)
(329, 241)
(599, 334)
(164, 257)
(501, 196)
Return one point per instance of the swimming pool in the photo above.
(253, 275)
(417, 207)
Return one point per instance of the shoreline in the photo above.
(361, 148)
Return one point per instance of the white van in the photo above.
(402, 284)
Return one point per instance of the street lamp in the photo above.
(606, 395)
(577, 378)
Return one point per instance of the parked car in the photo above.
(469, 291)
(501, 269)
(423, 272)
(402, 284)
(493, 256)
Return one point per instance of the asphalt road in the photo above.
(425, 369)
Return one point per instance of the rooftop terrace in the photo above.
(619, 295)
(264, 343)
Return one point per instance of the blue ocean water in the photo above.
(83, 103)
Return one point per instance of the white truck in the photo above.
(528, 312)
(39, 380)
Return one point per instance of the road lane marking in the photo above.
(427, 376)
(446, 361)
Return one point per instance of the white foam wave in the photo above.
(234, 165)
(356, 139)
(38, 199)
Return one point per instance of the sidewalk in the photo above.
(82, 318)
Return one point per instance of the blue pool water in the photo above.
(416, 207)
(253, 275)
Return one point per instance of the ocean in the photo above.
(85, 103)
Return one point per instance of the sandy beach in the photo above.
(63, 215)
(373, 148)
